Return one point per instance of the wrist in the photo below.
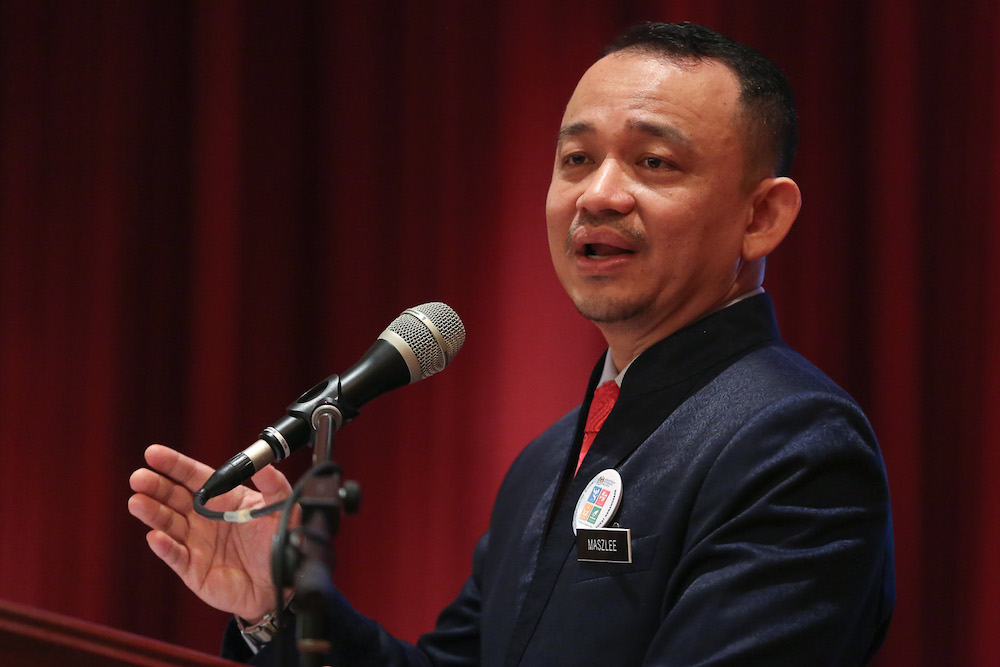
(259, 633)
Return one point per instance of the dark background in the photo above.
(206, 207)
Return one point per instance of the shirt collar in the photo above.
(611, 372)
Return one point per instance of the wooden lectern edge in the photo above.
(76, 635)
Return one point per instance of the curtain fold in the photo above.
(207, 207)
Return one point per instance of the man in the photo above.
(752, 489)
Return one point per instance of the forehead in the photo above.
(633, 89)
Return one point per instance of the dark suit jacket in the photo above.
(758, 508)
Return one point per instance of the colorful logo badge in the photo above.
(599, 501)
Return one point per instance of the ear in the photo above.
(776, 203)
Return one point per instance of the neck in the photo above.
(630, 338)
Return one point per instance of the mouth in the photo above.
(604, 250)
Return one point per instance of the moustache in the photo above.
(615, 222)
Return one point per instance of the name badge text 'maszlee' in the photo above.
(604, 545)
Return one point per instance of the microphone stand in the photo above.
(309, 560)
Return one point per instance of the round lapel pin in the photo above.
(599, 501)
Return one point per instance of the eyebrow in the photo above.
(666, 132)
(573, 130)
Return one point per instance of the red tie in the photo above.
(600, 407)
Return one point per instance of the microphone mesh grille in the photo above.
(432, 354)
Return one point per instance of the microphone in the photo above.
(417, 344)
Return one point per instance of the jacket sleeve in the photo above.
(358, 640)
(788, 554)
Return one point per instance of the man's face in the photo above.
(648, 205)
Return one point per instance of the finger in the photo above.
(158, 487)
(144, 481)
(178, 467)
(272, 484)
(144, 509)
(174, 554)
(159, 517)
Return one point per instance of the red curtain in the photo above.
(207, 207)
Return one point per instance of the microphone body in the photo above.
(420, 342)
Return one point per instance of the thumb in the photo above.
(272, 484)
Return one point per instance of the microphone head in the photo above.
(428, 337)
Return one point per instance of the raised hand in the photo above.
(227, 565)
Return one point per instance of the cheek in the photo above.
(699, 221)
(559, 214)
(559, 200)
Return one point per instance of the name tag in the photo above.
(604, 545)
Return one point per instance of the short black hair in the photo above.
(768, 105)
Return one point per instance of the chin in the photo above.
(606, 310)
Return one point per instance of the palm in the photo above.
(231, 558)
(226, 564)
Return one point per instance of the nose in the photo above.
(608, 190)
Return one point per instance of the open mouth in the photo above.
(603, 250)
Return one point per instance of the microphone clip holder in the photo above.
(324, 398)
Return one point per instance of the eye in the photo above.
(654, 162)
(575, 159)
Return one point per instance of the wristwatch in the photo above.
(259, 633)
